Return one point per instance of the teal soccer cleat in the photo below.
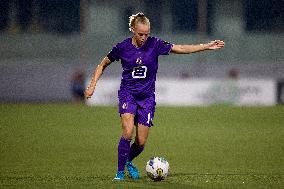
(132, 170)
(119, 176)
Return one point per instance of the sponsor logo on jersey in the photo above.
(124, 106)
(139, 60)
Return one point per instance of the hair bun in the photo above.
(140, 14)
(137, 18)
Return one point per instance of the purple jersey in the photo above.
(139, 65)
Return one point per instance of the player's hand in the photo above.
(217, 44)
(88, 93)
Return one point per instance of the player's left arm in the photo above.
(187, 49)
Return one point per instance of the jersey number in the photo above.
(139, 72)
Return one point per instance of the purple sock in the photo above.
(123, 153)
(135, 150)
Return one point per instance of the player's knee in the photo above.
(127, 125)
(127, 131)
(127, 134)
(141, 142)
(127, 120)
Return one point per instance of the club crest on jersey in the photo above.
(124, 106)
(139, 60)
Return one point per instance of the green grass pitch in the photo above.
(75, 146)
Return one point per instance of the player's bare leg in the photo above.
(136, 148)
(140, 140)
(127, 123)
(142, 132)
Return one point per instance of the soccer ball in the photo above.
(157, 168)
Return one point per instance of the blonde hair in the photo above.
(138, 18)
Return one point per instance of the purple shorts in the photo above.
(143, 107)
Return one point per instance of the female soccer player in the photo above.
(139, 59)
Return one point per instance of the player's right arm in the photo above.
(96, 76)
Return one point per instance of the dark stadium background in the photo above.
(43, 42)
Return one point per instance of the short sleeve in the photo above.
(114, 55)
(163, 47)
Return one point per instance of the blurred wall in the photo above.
(41, 64)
